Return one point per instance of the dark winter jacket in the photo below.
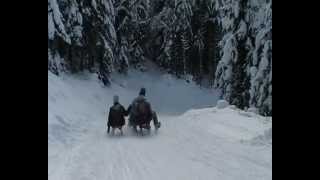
(116, 115)
(134, 114)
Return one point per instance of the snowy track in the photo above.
(207, 143)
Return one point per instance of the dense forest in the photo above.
(223, 44)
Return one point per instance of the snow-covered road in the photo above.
(208, 143)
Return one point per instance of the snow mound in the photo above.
(230, 123)
(263, 139)
(221, 104)
(247, 114)
(253, 110)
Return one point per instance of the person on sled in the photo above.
(141, 113)
(116, 116)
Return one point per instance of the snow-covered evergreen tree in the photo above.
(244, 72)
(82, 34)
(132, 24)
(225, 44)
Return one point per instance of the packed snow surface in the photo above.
(196, 139)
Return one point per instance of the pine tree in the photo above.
(240, 81)
(199, 45)
(77, 34)
(225, 43)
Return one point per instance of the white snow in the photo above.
(223, 73)
(56, 61)
(257, 22)
(57, 17)
(94, 4)
(195, 141)
(50, 26)
(260, 79)
(222, 104)
(242, 31)
(253, 109)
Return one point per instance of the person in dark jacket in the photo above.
(142, 117)
(116, 118)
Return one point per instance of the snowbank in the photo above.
(263, 139)
(253, 110)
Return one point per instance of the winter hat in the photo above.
(115, 99)
(142, 91)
